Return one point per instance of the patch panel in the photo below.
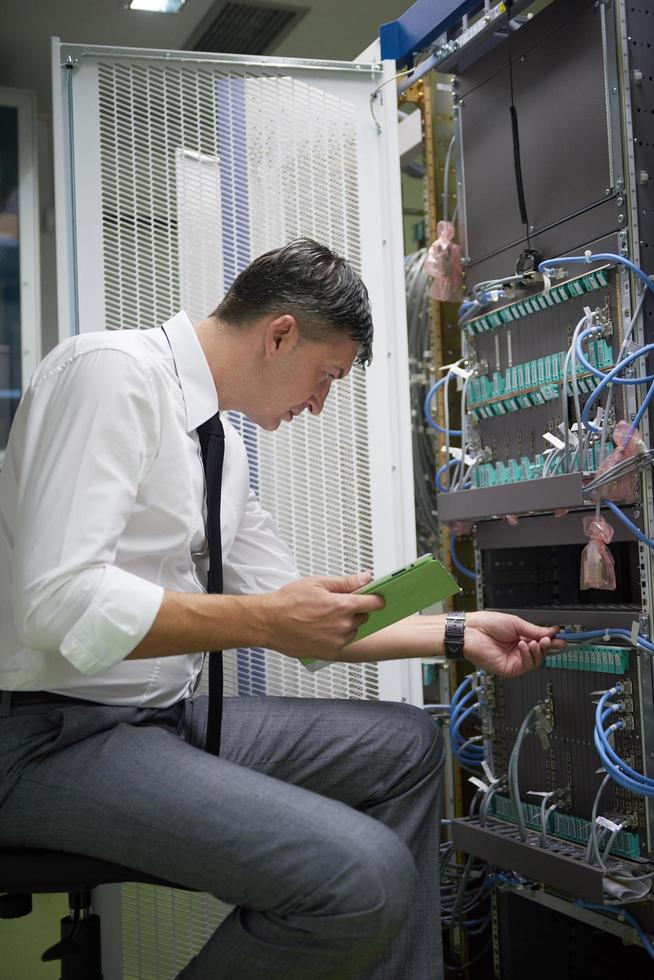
(603, 659)
(517, 471)
(571, 289)
(533, 383)
(564, 825)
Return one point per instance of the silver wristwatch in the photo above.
(455, 625)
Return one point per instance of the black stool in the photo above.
(27, 872)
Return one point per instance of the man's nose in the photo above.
(319, 397)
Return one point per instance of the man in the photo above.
(319, 819)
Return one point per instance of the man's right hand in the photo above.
(318, 616)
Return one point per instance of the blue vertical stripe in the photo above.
(235, 219)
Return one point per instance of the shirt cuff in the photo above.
(122, 612)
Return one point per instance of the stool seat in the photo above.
(36, 871)
(28, 871)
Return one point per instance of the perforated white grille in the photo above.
(200, 240)
(163, 928)
(147, 117)
(202, 171)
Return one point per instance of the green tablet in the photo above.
(409, 590)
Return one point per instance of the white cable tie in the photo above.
(607, 636)
(460, 372)
(588, 256)
(456, 453)
(479, 783)
(635, 632)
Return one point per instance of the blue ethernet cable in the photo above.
(621, 913)
(585, 635)
(594, 395)
(441, 471)
(605, 708)
(469, 309)
(457, 563)
(545, 266)
(458, 694)
(636, 531)
(620, 381)
(587, 259)
(467, 306)
(457, 719)
(643, 408)
(632, 779)
(460, 709)
(601, 375)
(462, 700)
(465, 756)
(620, 771)
(427, 408)
(616, 773)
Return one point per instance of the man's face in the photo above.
(298, 375)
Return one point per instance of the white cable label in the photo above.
(479, 783)
(607, 824)
(635, 632)
(553, 440)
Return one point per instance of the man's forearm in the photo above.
(417, 636)
(190, 623)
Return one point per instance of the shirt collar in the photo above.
(197, 384)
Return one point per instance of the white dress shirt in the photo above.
(102, 507)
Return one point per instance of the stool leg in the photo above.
(86, 963)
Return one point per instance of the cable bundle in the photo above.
(419, 338)
(619, 771)
(465, 704)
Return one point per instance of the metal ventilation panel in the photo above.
(244, 28)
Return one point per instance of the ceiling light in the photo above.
(157, 6)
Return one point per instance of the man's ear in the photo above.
(281, 333)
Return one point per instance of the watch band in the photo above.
(455, 624)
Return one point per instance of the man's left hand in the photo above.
(507, 645)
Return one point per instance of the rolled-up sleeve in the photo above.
(92, 432)
(121, 613)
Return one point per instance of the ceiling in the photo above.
(332, 29)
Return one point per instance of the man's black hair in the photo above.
(306, 279)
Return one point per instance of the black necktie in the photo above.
(212, 444)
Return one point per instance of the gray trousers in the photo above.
(319, 822)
